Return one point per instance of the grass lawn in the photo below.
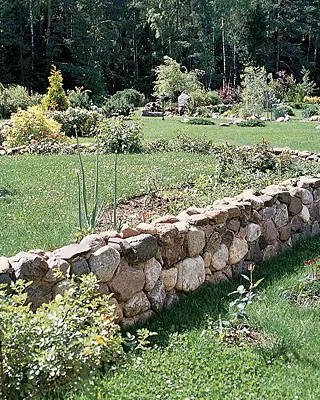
(187, 360)
(295, 134)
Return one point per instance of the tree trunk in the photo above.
(224, 54)
(32, 41)
(278, 35)
(234, 61)
(48, 31)
(212, 60)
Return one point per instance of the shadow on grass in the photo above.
(210, 301)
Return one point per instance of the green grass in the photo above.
(187, 361)
(38, 202)
(295, 134)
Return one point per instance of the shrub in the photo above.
(86, 121)
(116, 107)
(159, 145)
(251, 123)
(230, 95)
(56, 98)
(200, 121)
(32, 127)
(79, 98)
(201, 98)
(312, 109)
(14, 97)
(282, 109)
(186, 144)
(60, 343)
(120, 135)
(130, 96)
(312, 99)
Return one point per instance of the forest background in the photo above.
(107, 46)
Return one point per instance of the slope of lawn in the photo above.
(294, 134)
(187, 360)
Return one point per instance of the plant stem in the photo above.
(115, 193)
(3, 386)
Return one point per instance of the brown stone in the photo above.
(217, 216)
(166, 219)
(169, 278)
(152, 270)
(285, 232)
(298, 225)
(175, 250)
(195, 241)
(157, 297)
(29, 267)
(227, 238)
(234, 225)
(127, 282)
(128, 232)
(166, 233)
(269, 232)
(137, 304)
(198, 219)
(237, 251)
(71, 251)
(233, 211)
(147, 228)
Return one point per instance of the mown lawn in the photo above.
(187, 360)
(295, 134)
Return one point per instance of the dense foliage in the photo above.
(106, 49)
(56, 98)
(60, 343)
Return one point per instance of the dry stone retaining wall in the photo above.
(147, 267)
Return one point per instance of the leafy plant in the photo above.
(14, 97)
(252, 123)
(130, 96)
(246, 296)
(200, 121)
(79, 98)
(85, 120)
(59, 344)
(172, 79)
(312, 109)
(117, 107)
(281, 110)
(56, 98)
(190, 145)
(308, 290)
(32, 128)
(88, 220)
(120, 135)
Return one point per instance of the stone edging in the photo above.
(149, 266)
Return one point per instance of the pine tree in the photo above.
(56, 98)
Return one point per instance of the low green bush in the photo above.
(57, 345)
(31, 127)
(200, 121)
(117, 107)
(14, 97)
(86, 121)
(252, 123)
(120, 135)
(186, 144)
(130, 96)
(79, 98)
(281, 110)
(310, 110)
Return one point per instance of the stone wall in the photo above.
(147, 267)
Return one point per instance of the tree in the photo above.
(172, 79)
(56, 98)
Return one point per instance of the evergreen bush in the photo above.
(56, 98)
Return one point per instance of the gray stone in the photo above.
(198, 219)
(271, 251)
(191, 274)
(281, 216)
(254, 253)
(157, 297)
(315, 228)
(253, 232)
(127, 282)
(170, 301)
(80, 267)
(207, 257)
(169, 278)
(218, 277)
(58, 270)
(219, 258)
(306, 196)
(39, 294)
(104, 262)
(60, 288)
(237, 251)
(234, 225)
(316, 194)
(268, 213)
(195, 241)
(5, 267)
(138, 304)
(29, 267)
(284, 197)
(227, 238)
(121, 245)
(174, 250)
(144, 247)
(117, 309)
(314, 212)
(5, 279)
(217, 216)
(298, 225)
(304, 214)
(71, 251)
(94, 241)
(152, 270)
(137, 319)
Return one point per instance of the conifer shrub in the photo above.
(56, 98)
(131, 96)
(79, 98)
(31, 127)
